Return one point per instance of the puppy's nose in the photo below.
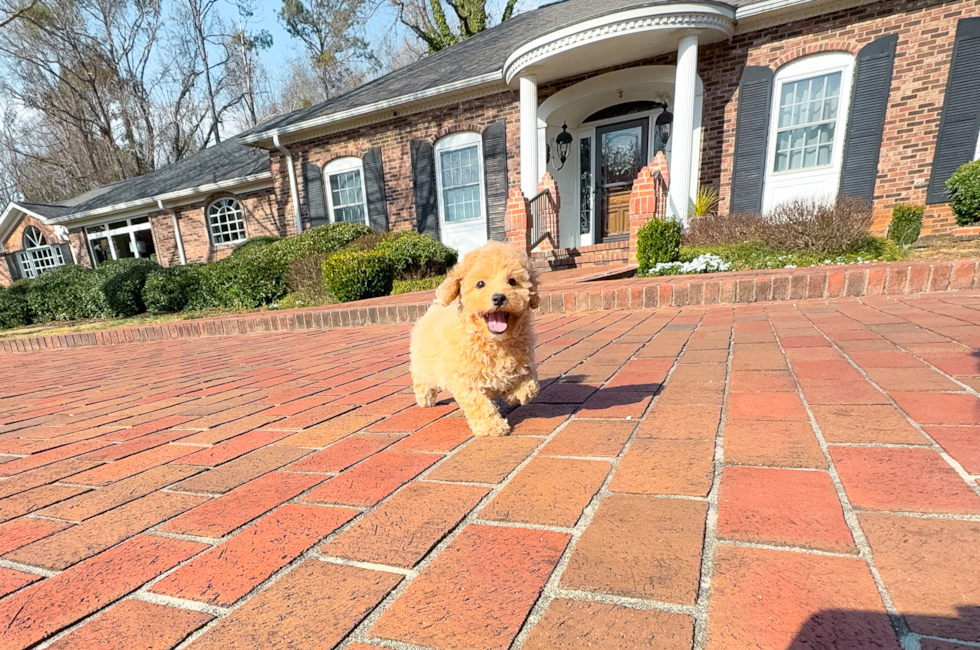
(498, 299)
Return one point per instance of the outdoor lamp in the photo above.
(561, 145)
(663, 123)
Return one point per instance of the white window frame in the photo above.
(340, 166)
(241, 218)
(102, 231)
(37, 259)
(799, 70)
(456, 142)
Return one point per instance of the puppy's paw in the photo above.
(425, 396)
(490, 427)
(526, 391)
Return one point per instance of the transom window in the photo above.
(344, 178)
(460, 173)
(121, 239)
(37, 257)
(226, 221)
(806, 123)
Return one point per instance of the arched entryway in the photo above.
(617, 123)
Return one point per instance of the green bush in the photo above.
(906, 223)
(172, 289)
(15, 311)
(305, 278)
(408, 286)
(249, 280)
(963, 190)
(66, 292)
(658, 241)
(418, 256)
(370, 241)
(255, 242)
(357, 275)
(322, 239)
(121, 284)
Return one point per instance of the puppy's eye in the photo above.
(481, 284)
(512, 282)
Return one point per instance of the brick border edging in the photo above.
(816, 282)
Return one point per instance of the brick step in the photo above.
(970, 232)
(817, 282)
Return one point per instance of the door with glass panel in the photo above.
(122, 239)
(459, 181)
(621, 155)
(807, 131)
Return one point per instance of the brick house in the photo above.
(565, 128)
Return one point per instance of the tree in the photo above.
(242, 67)
(203, 29)
(329, 30)
(429, 21)
(11, 10)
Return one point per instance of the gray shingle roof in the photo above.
(478, 55)
(44, 209)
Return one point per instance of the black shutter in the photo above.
(424, 183)
(13, 266)
(866, 117)
(374, 186)
(66, 253)
(315, 199)
(960, 123)
(751, 137)
(495, 176)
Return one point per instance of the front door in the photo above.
(622, 152)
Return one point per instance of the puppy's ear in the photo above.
(448, 291)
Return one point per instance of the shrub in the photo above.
(418, 256)
(249, 280)
(66, 292)
(322, 239)
(121, 284)
(408, 286)
(705, 201)
(906, 224)
(963, 190)
(357, 275)
(717, 229)
(15, 311)
(813, 224)
(172, 289)
(658, 241)
(305, 278)
(370, 241)
(255, 242)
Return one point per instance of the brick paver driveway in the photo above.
(760, 476)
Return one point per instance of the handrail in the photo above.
(538, 233)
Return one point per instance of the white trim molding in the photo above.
(706, 16)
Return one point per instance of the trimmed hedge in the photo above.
(255, 242)
(906, 223)
(417, 256)
(121, 284)
(963, 190)
(658, 241)
(322, 239)
(66, 292)
(15, 310)
(172, 289)
(357, 275)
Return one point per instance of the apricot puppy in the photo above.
(476, 340)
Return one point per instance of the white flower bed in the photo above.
(706, 263)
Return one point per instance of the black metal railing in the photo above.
(544, 217)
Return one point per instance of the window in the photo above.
(459, 172)
(344, 178)
(37, 257)
(226, 221)
(121, 239)
(807, 122)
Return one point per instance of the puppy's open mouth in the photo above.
(497, 321)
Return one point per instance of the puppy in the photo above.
(476, 340)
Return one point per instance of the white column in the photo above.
(529, 136)
(682, 133)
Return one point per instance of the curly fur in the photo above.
(454, 349)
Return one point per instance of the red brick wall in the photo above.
(925, 31)
(394, 137)
(15, 242)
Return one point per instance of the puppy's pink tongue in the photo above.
(497, 321)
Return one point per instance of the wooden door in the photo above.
(622, 152)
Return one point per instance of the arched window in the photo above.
(344, 178)
(808, 123)
(33, 238)
(226, 221)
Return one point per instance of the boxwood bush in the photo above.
(15, 311)
(255, 242)
(963, 190)
(67, 292)
(246, 281)
(121, 284)
(659, 240)
(906, 224)
(172, 289)
(356, 275)
(322, 239)
(417, 256)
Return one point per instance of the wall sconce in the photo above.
(663, 123)
(558, 148)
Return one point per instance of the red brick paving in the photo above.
(800, 445)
